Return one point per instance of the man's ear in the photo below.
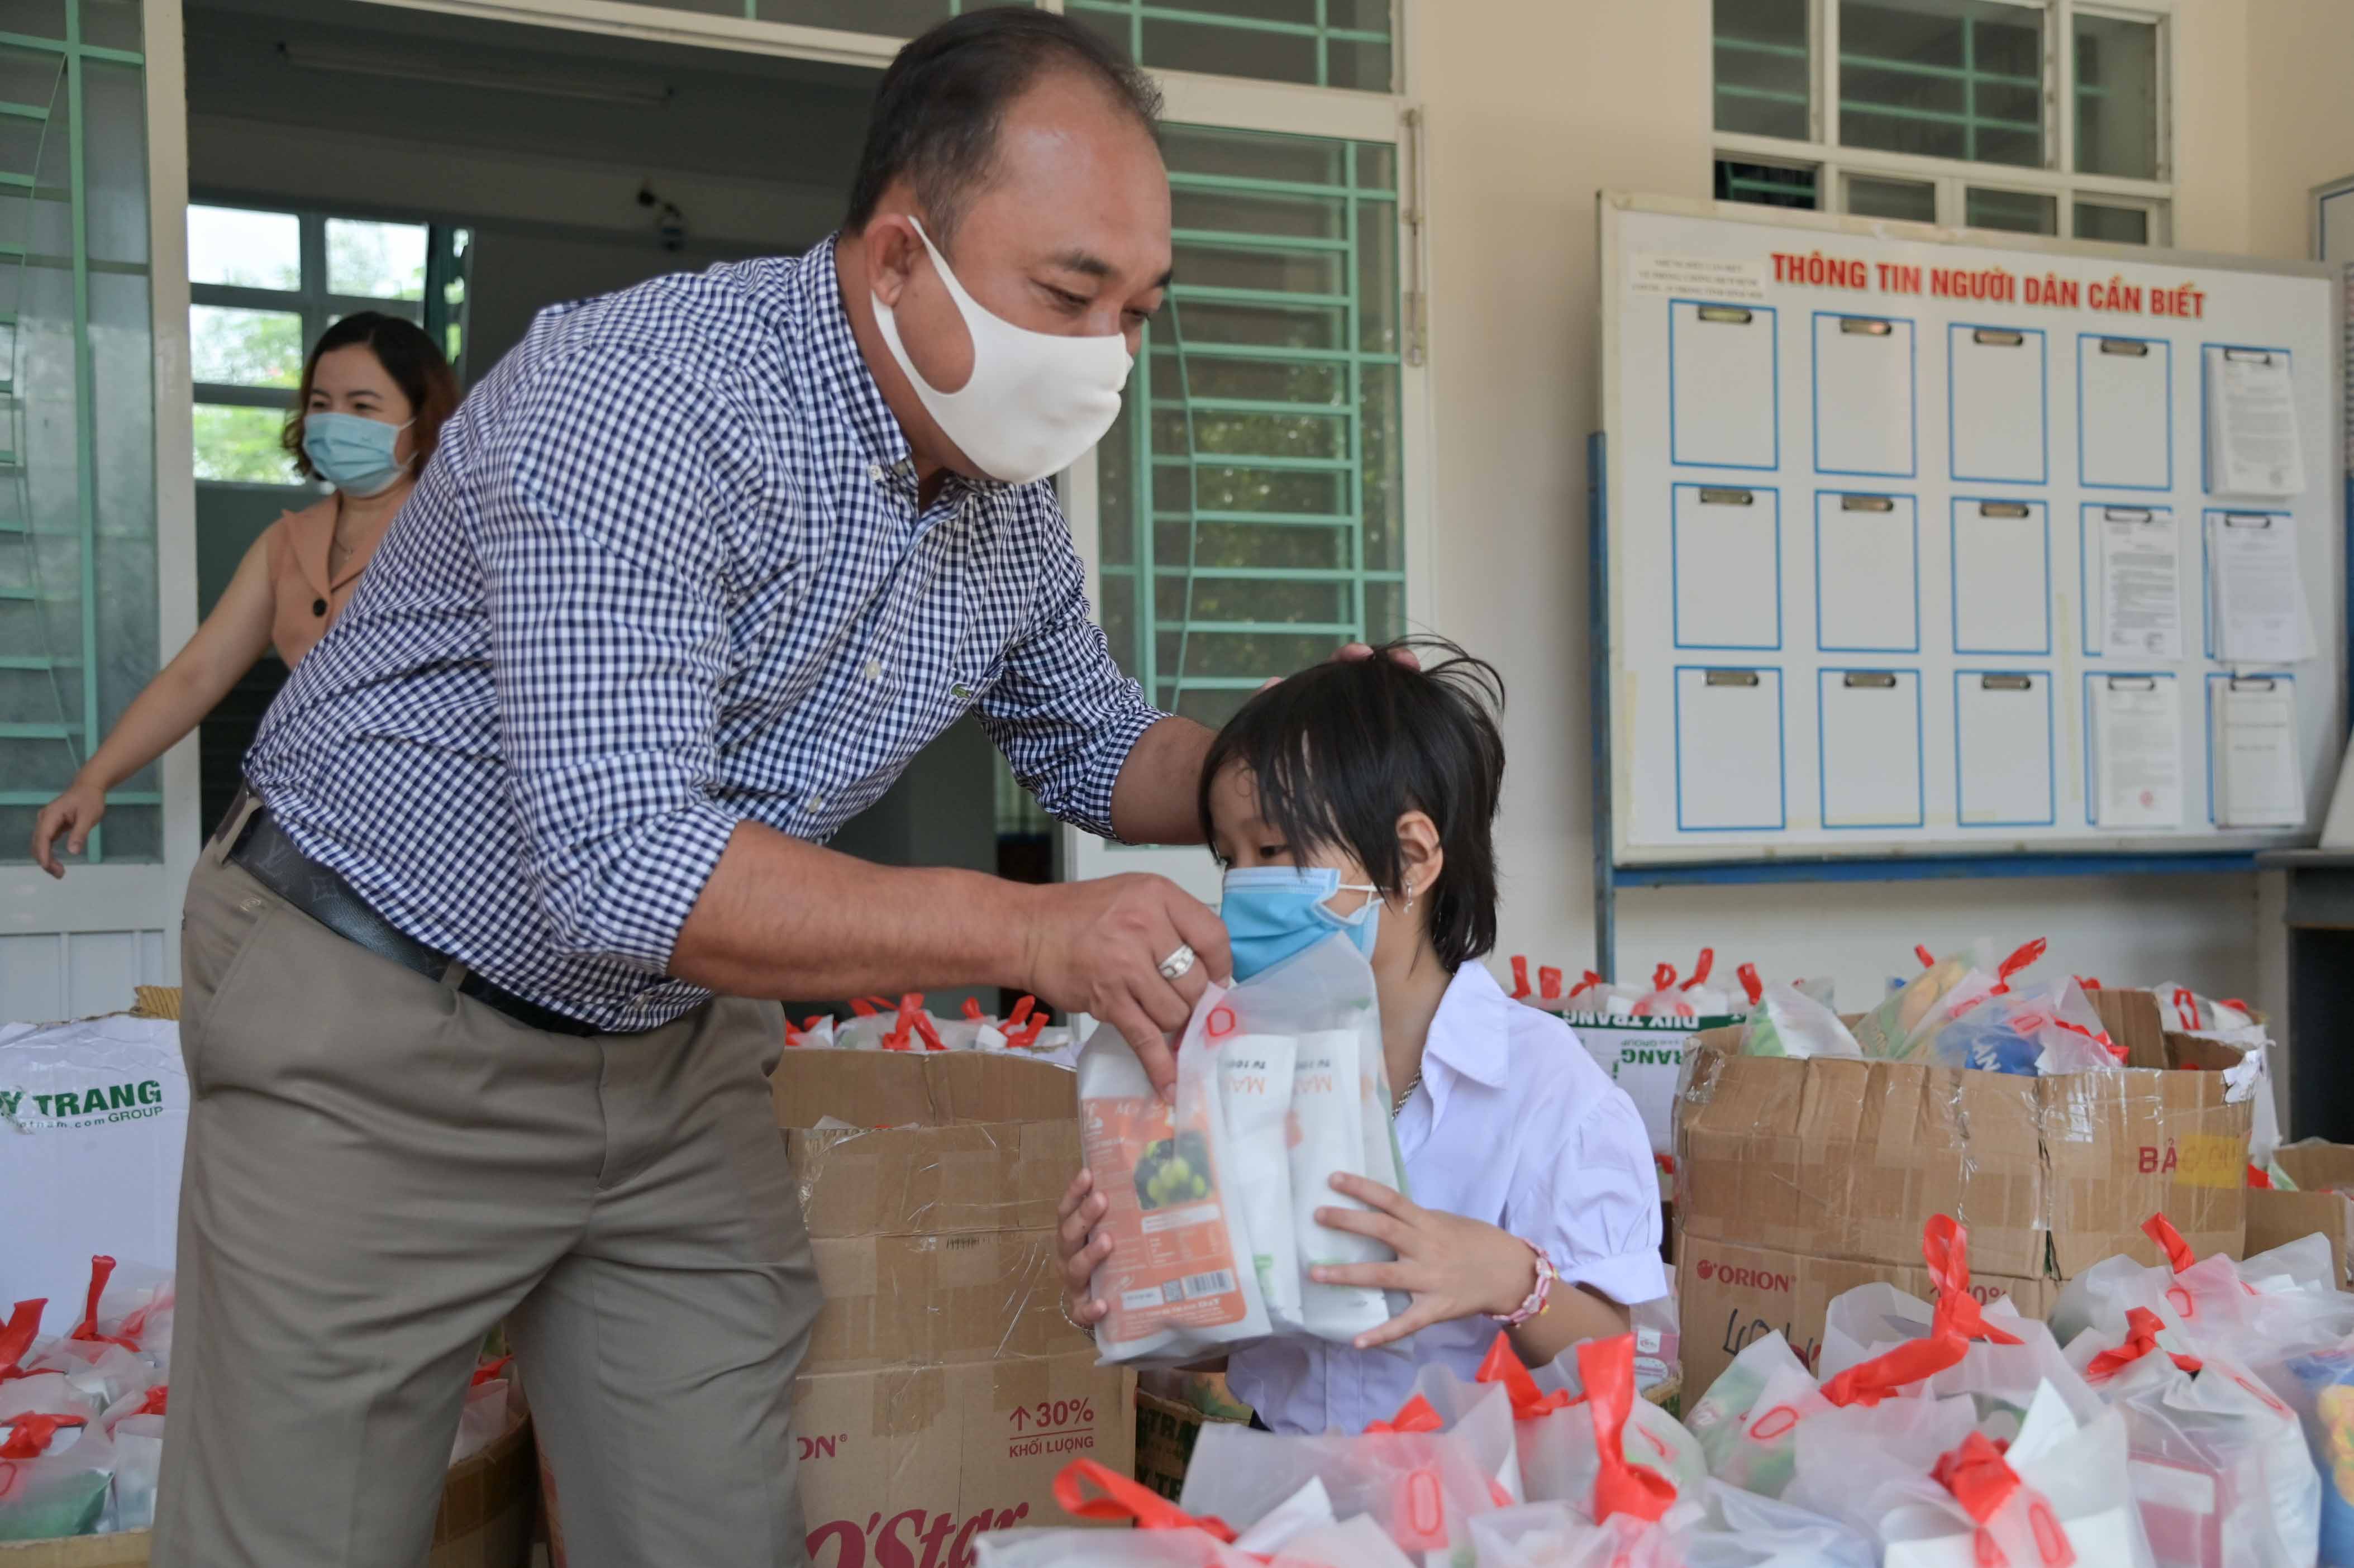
(1420, 856)
(892, 251)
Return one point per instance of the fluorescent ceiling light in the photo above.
(544, 84)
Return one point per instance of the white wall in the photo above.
(1592, 95)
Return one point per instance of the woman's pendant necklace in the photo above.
(1405, 1094)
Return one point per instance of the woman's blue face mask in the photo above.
(1273, 912)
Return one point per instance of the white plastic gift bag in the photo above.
(2218, 1460)
(1420, 1485)
(56, 1475)
(2059, 1495)
(1255, 1083)
(1580, 1442)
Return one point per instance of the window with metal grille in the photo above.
(78, 582)
(1324, 43)
(1250, 506)
(1903, 108)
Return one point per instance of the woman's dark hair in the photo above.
(413, 361)
(940, 104)
(1339, 752)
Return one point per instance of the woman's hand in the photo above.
(73, 814)
(1452, 1267)
(1076, 1219)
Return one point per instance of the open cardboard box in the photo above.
(2323, 1172)
(1796, 1178)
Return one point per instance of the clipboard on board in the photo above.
(1997, 404)
(1724, 407)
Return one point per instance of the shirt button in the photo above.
(875, 471)
(817, 802)
(875, 669)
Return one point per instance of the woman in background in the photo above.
(374, 395)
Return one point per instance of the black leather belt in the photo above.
(264, 849)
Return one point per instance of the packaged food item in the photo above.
(1180, 1282)
(1327, 1113)
(1894, 1029)
(1255, 1085)
(1787, 1022)
(2046, 1031)
(2321, 1386)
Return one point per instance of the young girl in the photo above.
(1378, 783)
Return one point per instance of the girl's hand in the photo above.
(72, 814)
(1075, 1217)
(1452, 1267)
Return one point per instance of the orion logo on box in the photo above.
(1734, 1277)
(124, 1101)
(913, 1539)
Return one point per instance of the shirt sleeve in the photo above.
(602, 490)
(1594, 1207)
(1061, 711)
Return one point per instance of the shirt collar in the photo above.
(1470, 1035)
(825, 327)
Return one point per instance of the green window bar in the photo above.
(1249, 491)
(77, 568)
(1326, 43)
(1766, 184)
(1983, 86)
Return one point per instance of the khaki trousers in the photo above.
(379, 1172)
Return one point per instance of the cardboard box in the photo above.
(1729, 1295)
(94, 1115)
(1644, 1057)
(909, 1464)
(943, 1390)
(1806, 1177)
(2277, 1218)
(484, 1522)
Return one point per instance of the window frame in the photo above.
(315, 306)
(1832, 161)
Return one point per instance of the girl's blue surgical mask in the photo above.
(1273, 912)
(354, 453)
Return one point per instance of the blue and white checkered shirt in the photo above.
(666, 573)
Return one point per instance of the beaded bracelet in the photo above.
(1533, 1307)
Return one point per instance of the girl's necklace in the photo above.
(1405, 1094)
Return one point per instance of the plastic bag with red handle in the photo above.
(1717, 1527)
(2218, 1460)
(1901, 1024)
(2059, 1494)
(56, 1471)
(1579, 1443)
(1165, 1536)
(1420, 1484)
(2257, 1312)
(1887, 1350)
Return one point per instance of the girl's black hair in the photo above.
(1339, 752)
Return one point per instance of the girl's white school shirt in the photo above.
(1514, 1124)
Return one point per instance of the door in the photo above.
(97, 521)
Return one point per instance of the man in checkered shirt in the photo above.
(696, 572)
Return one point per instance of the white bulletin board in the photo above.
(1873, 491)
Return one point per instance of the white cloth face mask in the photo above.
(1034, 402)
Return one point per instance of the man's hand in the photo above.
(1097, 946)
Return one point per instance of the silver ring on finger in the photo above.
(1179, 964)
